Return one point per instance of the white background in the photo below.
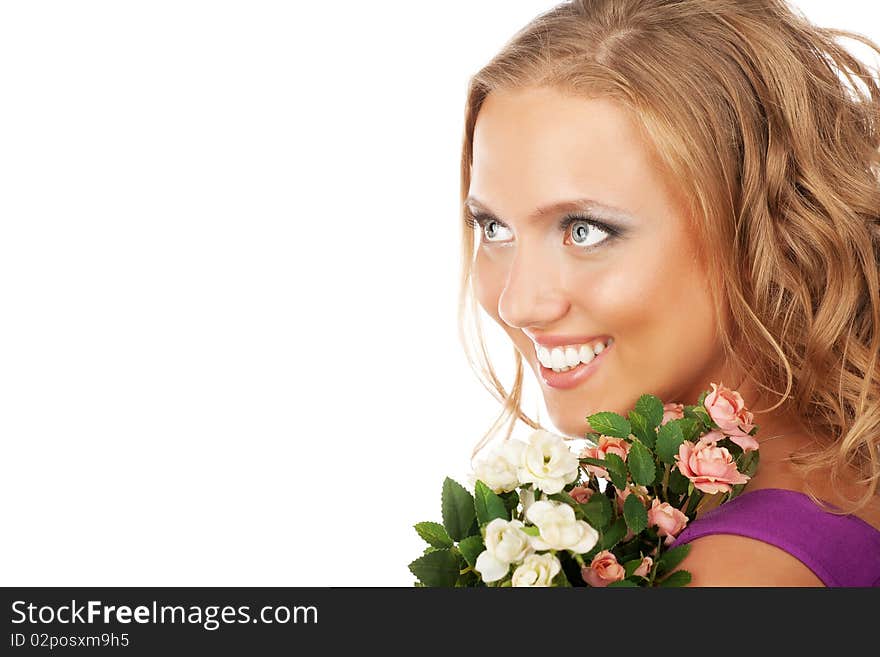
(228, 277)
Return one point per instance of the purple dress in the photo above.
(840, 550)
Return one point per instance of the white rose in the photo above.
(559, 529)
(527, 497)
(536, 570)
(506, 543)
(498, 470)
(547, 462)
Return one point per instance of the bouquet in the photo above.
(541, 516)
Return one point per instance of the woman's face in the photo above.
(633, 278)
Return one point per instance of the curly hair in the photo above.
(775, 126)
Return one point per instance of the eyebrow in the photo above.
(474, 205)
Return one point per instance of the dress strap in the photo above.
(842, 550)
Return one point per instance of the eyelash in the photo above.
(481, 219)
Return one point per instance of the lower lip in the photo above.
(574, 377)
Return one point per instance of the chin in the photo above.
(569, 427)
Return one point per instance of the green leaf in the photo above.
(610, 424)
(564, 497)
(749, 462)
(630, 566)
(671, 558)
(591, 461)
(571, 568)
(438, 568)
(614, 534)
(678, 483)
(511, 499)
(641, 464)
(597, 511)
(474, 529)
(634, 513)
(650, 408)
(470, 548)
(669, 438)
(616, 470)
(561, 580)
(701, 414)
(678, 578)
(733, 449)
(457, 505)
(468, 579)
(434, 534)
(641, 430)
(690, 428)
(488, 505)
(658, 478)
(623, 584)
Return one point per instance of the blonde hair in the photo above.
(748, 102)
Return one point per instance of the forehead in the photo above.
(538, 144)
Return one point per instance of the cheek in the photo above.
(648, 295)
(655, 309)
(617, 299)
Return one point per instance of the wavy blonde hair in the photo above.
(776, 128)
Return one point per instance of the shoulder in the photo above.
(780, 537)
(733, 560)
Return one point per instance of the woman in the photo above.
(660, 194)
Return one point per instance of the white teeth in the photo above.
(557, 358)
(562, 359)
(586, 353)
(544, 356)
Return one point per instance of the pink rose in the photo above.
(603, 570)
(640, 491)
(711, 468)
(645, 567)
(581, 494)
(672, 412)
(607, 445)
(728, 410)
(669, 520)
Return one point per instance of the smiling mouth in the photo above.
(570, 357)
(569, 377)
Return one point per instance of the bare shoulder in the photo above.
(731, 560)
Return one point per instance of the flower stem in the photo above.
(693, 500)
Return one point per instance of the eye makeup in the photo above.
(482, 219)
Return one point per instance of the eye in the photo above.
(489, 227)
(586, 233)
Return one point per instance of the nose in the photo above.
(533, 294)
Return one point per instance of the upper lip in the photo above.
(561, 340)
